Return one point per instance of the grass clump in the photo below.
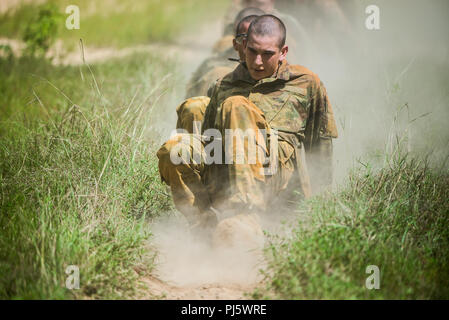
(396, 218)
(78, 176)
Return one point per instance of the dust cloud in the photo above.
(188, 259)
(385, 85)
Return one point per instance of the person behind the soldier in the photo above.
(225, 42)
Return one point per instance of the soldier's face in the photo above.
(263, 55)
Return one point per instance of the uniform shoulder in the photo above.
(297, 71)
(228, 79)
(218, 79)
(221, 82)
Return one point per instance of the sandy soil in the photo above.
(189, 267)
(212, 291)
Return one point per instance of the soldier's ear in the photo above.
(234, 44)
(283, 54)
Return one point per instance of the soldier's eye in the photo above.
(252, 51)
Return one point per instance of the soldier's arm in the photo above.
(209, 115)
(321, 130)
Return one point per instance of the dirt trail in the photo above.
(213, 291)
(187, 267)
(59, 56)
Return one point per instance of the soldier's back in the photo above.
(213, 68)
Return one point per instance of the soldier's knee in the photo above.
(194, 106)
(164, 164)
(191, 113)
(164, 154)
(235, 104)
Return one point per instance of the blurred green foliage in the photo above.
(41, 32)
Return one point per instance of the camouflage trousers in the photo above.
(240, 187)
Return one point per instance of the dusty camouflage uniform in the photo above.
(189, 194)
(293, 101)
(223, 44)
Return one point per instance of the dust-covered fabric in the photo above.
(184, 177)
(211, 69)
(191, 112)
(288, 115)
(293, 101)
(199, 86)
(240, 186)
(250, 186)
(224, 44)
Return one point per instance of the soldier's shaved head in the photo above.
(246, 15)
(268, 26)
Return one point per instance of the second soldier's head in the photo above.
(241, 24)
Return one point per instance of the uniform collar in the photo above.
(283, 73)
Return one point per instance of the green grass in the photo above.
(78, 175)
(396, 218)
(120, 23)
